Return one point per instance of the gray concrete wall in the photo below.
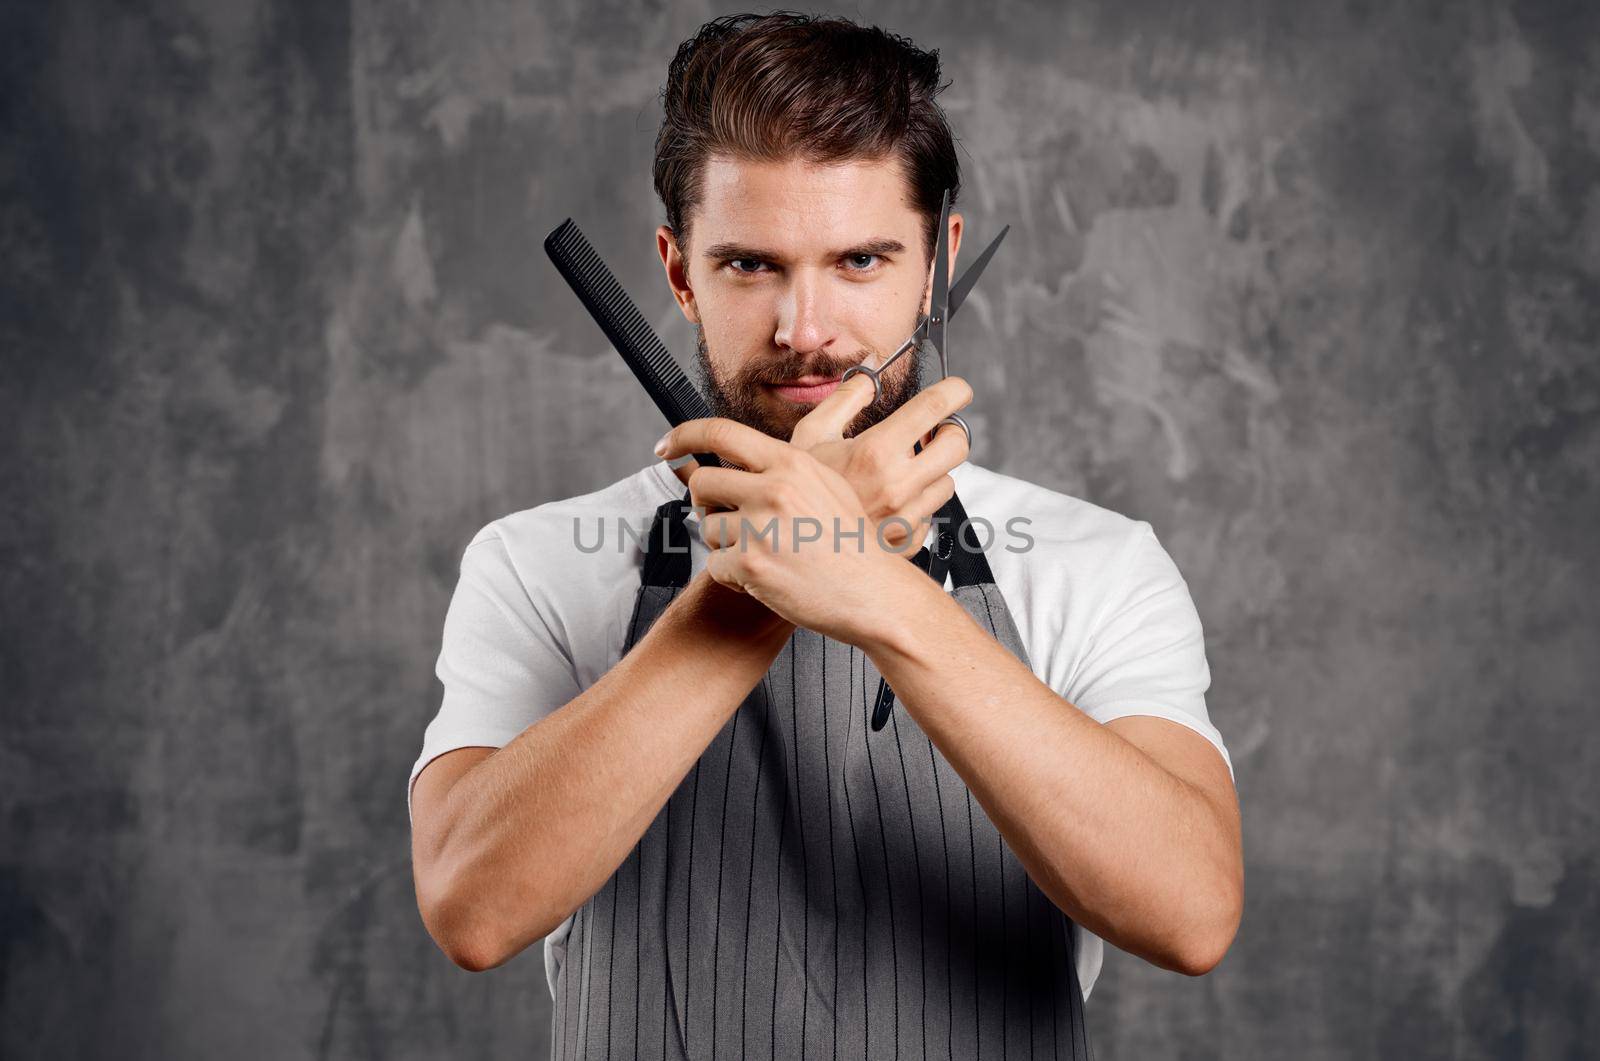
(1314, 288)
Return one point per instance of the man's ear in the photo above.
(677, 273)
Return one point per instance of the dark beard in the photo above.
(744, 399)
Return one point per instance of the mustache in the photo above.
(792, 366)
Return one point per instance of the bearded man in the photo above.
(658, 758)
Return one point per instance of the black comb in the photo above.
(612, 309)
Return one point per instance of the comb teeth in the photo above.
(623, 324)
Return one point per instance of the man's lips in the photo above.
(806, 389)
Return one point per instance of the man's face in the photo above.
(796, 272)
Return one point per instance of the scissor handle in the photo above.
(863, 370)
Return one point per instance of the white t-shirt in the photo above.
(540, 613)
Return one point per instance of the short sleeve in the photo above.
(502, 666)
(1146, 655)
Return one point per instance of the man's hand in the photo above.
(791, 532)
(898, 487)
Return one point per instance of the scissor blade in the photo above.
(939, 305)
(958, 294)
(969, 278)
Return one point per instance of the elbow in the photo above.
(1200, 960)
(475, 960)
(454, 917)
(1214, 933)
(474, 952)
(480, 951)
(461, 927)
(460, 935)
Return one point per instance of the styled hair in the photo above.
(787, 86)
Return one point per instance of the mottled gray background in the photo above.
(1314, 288)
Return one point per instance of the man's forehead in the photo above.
(797, 205)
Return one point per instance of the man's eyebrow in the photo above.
(728, 249)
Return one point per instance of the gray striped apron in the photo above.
(818, 889)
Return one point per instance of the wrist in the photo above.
(727, 614)
(908, 598)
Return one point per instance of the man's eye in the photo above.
(860, 263)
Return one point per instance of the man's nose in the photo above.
(805, 314)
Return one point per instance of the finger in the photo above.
(912, 473)
(738, 529)
(944, 451)
(716, 489)
(719, 530)
(740, 443)
(835, 412)
(683, 467)
(931, 500)
(900, 535)
(895, 529)
(723, 567)
(927, 407)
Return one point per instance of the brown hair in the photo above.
(788, 85)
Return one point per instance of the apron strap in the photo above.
(957, 549)
(960, 553)
(666, 547)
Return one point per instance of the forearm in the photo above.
(1124, 847)
(538, 827)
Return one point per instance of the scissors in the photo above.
(929, 334)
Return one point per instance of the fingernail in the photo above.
(661, 445)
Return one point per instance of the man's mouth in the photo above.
(805, 389)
